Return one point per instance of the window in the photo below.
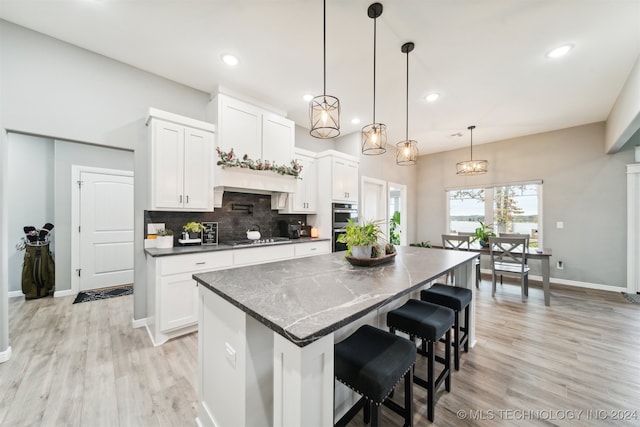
(513, 208)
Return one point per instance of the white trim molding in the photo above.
(15, 294)
(5, 355)
(633, 229)
(139, 323)
(65, 293)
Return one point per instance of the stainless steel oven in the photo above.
(341, 214)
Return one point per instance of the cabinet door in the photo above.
(350, 181)
(198, 155)
(338, 168)
(167, 160)
(310, 180)
(240, 128)
(278, 136)
(178, 301)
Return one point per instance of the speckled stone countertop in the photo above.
(306, 298)
(181, 250)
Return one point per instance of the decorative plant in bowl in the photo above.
(360, 239)
(194, 229)
(483, 233)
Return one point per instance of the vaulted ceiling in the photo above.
(485, 58)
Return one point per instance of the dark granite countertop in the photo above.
(181, 250)
(306, 298)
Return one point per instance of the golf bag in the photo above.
(38, 269)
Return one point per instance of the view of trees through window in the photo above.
(509, 209)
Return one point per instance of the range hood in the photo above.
(242, 180)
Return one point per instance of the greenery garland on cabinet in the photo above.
(232, 161)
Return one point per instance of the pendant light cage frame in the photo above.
(324, 110)
(407, 150)
(472, 167)
(374, 135)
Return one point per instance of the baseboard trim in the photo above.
(5, 355)
(139, 323)
(567, 282)
(64, 293)
(15, 294)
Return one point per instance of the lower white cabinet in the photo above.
(172, 294)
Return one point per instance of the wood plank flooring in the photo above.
(84, 365)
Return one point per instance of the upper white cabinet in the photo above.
(305, 198)
(252, 130)
(180, 162)
(345, 180)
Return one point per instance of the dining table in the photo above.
(543, 255)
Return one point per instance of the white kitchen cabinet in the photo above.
(312, 248)
(180, 163)
(172, 294)
(345, 180)
(239, 127)
(251, 130)
(278, 138)
(305, 198)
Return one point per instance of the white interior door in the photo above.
(106, 230)
(374, 202)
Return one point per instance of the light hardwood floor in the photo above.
(84, 365)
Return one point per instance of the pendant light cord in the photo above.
(374, 71)
(324, 45)
(406, 132)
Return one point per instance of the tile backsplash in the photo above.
(238, 213)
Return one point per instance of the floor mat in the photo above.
(635, 298)
(103, 293)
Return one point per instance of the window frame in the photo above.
(489, 190)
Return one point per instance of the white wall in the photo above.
(53, 89)
(30, 195)
(624, 118)
(583, 187)
(68, 154)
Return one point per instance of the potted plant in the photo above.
(483, 233)
(360, 239)
(194, 229)
(164, 239)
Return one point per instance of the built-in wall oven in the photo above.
(341, 214)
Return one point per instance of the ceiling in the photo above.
(485, 58)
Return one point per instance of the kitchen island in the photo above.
(266, 333)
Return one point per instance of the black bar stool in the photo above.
(457, 299)
(428, 322)
(372, 362)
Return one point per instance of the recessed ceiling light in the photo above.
(307, 98)
(432, 97)
(230, 60)
(355, 121)
(559, 51)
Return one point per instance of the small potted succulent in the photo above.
(194, 229)
(164, 239)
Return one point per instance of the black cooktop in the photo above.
(269, 241)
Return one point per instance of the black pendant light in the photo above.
(407, 150)
(324, 110)
(374, 135)
(472, 167)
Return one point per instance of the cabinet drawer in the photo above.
(260, 255)
(313, 248)
(193, 263)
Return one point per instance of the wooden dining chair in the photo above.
(526, 236)
(508, 257)
(456, 242)
(477, 261)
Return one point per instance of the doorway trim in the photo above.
(76, 171)
(403, 210)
